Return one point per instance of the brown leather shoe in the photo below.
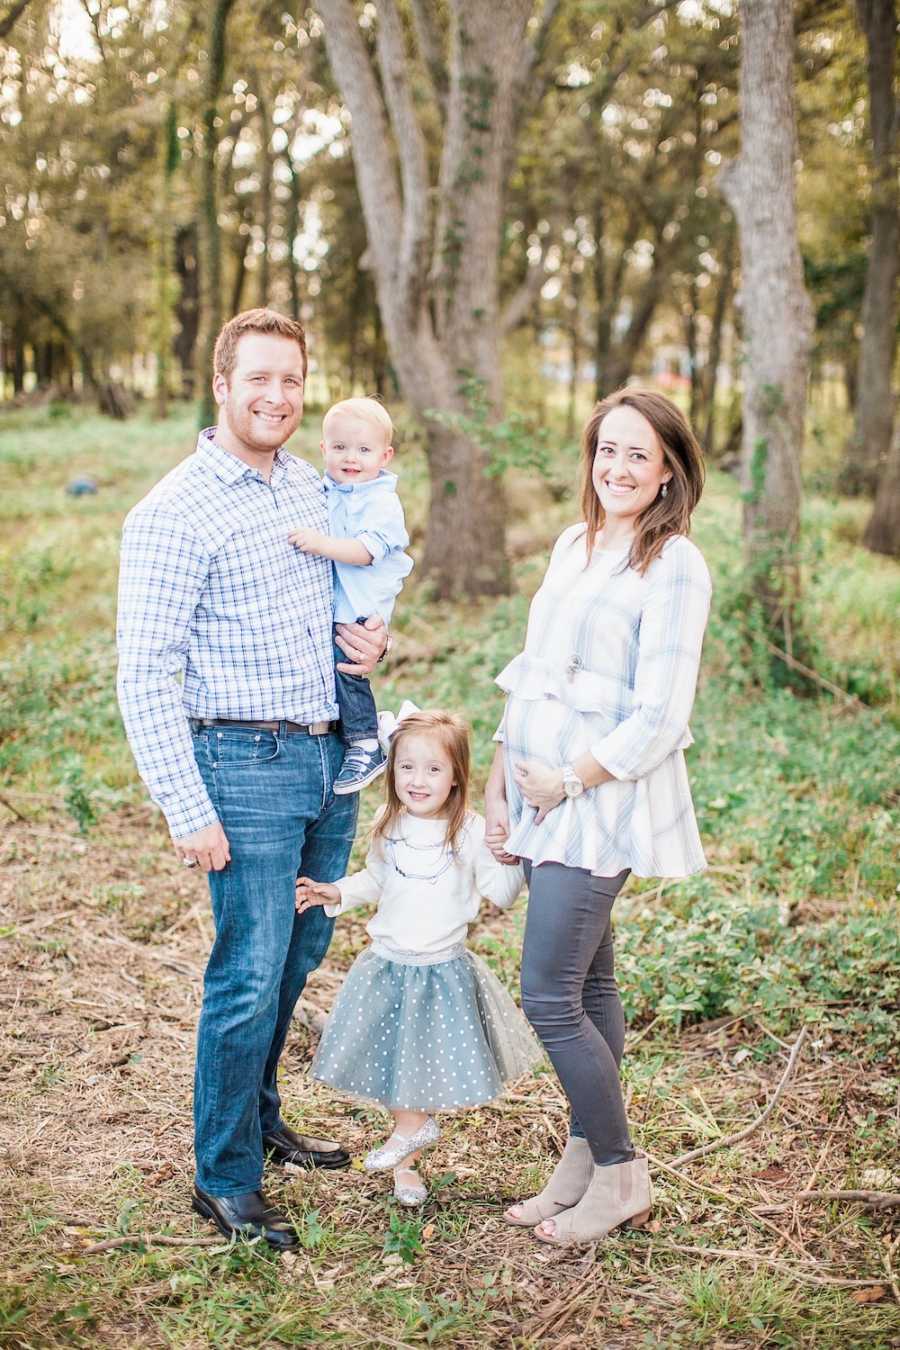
(284, 1146)
(248, 1215)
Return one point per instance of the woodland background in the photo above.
(489, 215)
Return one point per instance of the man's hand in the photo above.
(308, 541)
(363, 644)
(310, 893)
(208, 848)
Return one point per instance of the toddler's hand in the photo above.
(310, 893)
(308, 541)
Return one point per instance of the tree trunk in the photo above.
(437, 283)
(210, 239)
(871, 441)
(187, 307)
(169, 159)
(883, 530)
(265, 193)
(714, 356)
(777, 314)
(293, 230)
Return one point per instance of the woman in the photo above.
(589, 783)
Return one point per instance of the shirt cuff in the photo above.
(185, 819)
(376, 546)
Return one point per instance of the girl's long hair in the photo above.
(665, 516)
(453, 735)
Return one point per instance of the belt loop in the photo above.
(282, 729)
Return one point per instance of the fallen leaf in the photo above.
(871, 1295)
(428, 1231)
(774, 1172)
(654, 1226)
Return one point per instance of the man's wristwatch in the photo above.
(572, 784)
(387, 647)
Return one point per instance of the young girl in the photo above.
(421, 1024)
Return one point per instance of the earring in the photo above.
(665, 489)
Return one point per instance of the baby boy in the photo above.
(366, 542)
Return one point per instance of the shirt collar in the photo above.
(384, 479)
(228, 468)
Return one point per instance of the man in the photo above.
(242, 755)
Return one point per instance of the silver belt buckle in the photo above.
(318, 728)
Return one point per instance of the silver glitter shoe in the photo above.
(407, 1194)
(398, 1147)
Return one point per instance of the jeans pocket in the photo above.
(243, 749)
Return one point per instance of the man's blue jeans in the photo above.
(273, 796)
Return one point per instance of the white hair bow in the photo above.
(388, 722)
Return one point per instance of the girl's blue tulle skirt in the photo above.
(423, 1037)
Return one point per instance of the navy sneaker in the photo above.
(360, 768)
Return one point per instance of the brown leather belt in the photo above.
(284, 728)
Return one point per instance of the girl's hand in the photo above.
(496, 832)
(310, 893)
(541, 786)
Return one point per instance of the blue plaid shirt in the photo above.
(219, 616)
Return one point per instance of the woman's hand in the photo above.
(310, 893)
(541, 786)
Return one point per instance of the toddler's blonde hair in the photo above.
(369, 409)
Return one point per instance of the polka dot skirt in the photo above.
(423, 1037)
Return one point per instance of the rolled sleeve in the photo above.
(672, 625)
(162, 573)
(385, 527)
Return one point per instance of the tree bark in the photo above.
(777, 315)
(714, 356)
(293, 230)
(882, 533)
(169, 158)
(187, 307)
(437, 280)
(870, 443)
(210, 239)
(265, 193)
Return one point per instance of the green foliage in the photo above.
(513, 442)
(404, 1238)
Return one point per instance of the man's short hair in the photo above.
(254, 321)
(369, 409)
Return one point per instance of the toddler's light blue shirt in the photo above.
(370, 512)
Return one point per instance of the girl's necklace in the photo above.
(448, 858)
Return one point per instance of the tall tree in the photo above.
(870, 444)
(211, 244)
(777, 315)
(435, 242)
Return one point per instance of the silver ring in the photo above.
(189, 862)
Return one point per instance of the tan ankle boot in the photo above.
(616, 1195)
(565, 1188)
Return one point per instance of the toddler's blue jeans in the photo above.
(272, 792)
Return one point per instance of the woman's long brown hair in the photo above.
(666, 516)
(453, 735)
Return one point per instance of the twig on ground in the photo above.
(816, 678)
(892, 1279)
(151, 1240)
(739, 1135)
(15, 811)
(876, 1200)
(797, 1272)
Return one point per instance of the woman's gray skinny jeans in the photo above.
(569, 996)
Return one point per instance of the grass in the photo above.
(794, 925)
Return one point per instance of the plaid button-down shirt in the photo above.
(212, 593)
